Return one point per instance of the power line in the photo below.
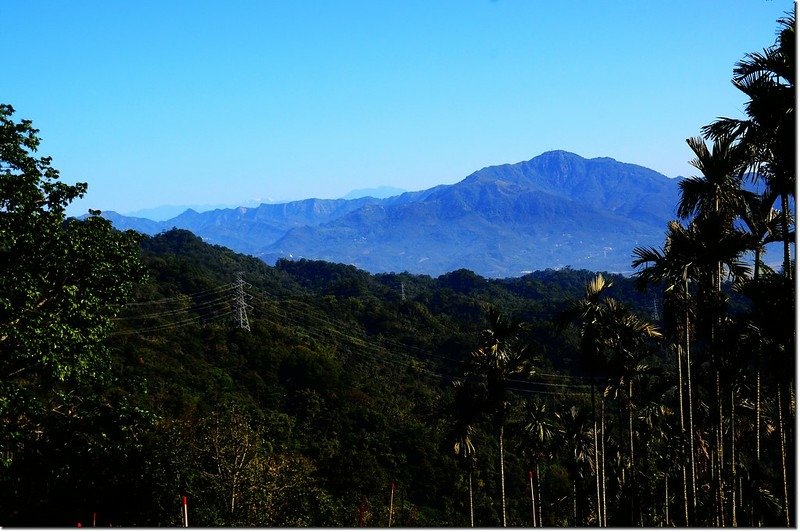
(174, 312)
(366, 349)
(176, 299)
(173, 325)
(219, 306)
(407, 361)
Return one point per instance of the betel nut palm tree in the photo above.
(540, 429)
(462, 432)
(673, 268)
(609, 332)
(502, 355)
(711, 201)
(768, 134)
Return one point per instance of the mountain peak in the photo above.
(563, 154)
(570, 156)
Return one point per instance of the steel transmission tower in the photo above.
(240, 306)
(656, 313)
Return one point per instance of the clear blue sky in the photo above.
(200, 102)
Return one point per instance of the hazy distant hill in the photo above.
(378, 192)
(555, 210)
(165, 212)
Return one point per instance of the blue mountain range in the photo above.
(555, 210)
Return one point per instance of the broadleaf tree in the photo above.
(62, 281)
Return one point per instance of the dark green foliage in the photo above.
(344, 383)
(346, 390)
(66, 419)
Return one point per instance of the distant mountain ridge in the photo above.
(555, 210)
(165, 212)
(377, 192)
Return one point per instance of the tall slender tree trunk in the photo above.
(788, 436)
(742, 510)
(575, 503)
(533, 500)
(502, 477)
(789, 428)
(471, 508)
(720, 492)
(596, 459)
(783, 459)
(630, 425)
(603, 457)
(684, 440)
(733, 458)
(689, 389)
(758, 418)
(685, 495)
(539, 495)
(714, 499)
(716, 361)
(666, 499)
(756, 277)
(636, 506)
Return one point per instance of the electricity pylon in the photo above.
(240, 306)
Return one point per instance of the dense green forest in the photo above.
(340, 386)
(139, 373)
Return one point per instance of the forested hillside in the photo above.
(344, 383)
(340, 387)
